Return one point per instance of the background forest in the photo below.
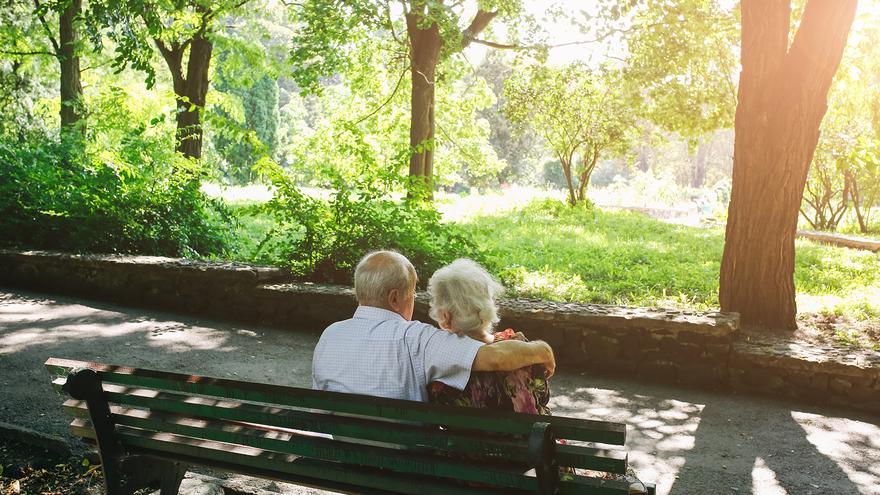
(517, 133)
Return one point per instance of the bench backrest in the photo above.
(343, 441)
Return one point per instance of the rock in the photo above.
(193, 486)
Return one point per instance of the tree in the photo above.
(519, 150)
(782, 99)
(182, 32)
(431, 31)
(682, 56)
(259, 101)
(580, 113)
(63, 46)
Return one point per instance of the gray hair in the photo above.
(467, 292)
(380, 272)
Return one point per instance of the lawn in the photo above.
(553, 252)
(546, 250)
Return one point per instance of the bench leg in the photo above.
(142, 471)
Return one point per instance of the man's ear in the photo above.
(394, 300)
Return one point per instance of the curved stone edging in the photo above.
(848, 241)
(691, 348)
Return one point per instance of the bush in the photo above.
(322, 240)
(51, 198)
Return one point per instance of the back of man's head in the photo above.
(380, 272)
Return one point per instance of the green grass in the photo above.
(548, 251)
(551, 252)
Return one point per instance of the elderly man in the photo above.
(382, 352)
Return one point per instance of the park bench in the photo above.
(150, 426)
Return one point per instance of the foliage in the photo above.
(259, 103)
(365, 112)
(126, 193)
(845, 172)
(682, 58)
(520, 152)
(580, 113)
(323, 240)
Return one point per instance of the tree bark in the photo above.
(190, 90)
(72, 113)
(782, 100)
(584, 179)
(566, 171)
(699, 160)
(425, 45)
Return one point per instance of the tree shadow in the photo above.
(690, 441)
(34, 327)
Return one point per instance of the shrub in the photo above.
(322, 240)
(51, 198)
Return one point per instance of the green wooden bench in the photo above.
(150, 426)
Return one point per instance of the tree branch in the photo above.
(481, 19)
(500, 46)
(38, 10)
(11, 52)
(393, 93)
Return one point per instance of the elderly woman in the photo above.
(463, 302)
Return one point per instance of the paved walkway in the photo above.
(689, 442)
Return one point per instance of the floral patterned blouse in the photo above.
(524, 390)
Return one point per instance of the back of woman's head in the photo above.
(463, 298)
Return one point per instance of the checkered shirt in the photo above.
(379, 353)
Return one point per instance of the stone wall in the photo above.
(223, 290)
(704, 349)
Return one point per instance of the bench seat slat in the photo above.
(609, 460)
(455, 417)
(505, 473)
(286, 467)
(291, 464)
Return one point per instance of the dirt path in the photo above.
(689, 442)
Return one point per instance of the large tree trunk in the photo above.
(782, 100)
(189, 89)
(189, 125)
(425, 47)
(71, 86)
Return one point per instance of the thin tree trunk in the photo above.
(72, 113)
(782, 100)
(566, 171)
(586, 173)
(856, 196)
(425, 53)
(699, 161)
(190, 90)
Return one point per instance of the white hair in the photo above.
(380, 272)
(467, 292)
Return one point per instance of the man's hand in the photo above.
(513, 354)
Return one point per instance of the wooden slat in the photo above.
(287, 463)
(507, 474)
(233, 456)
(451, 416)
(610, 460)
(613, 461)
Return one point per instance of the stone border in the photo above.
(21, 434)
(217, 289)
(704, 349)
(847, 241)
